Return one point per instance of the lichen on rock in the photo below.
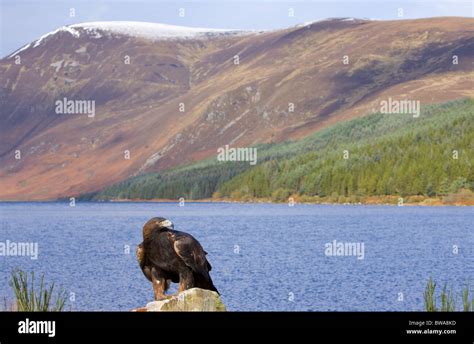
(191, 300)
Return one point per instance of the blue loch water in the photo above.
(264, 256)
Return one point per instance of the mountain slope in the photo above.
(433, 157)
(387, 155)
(137, 104)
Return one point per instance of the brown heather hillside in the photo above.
(137, 104)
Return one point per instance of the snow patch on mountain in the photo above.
(332, 20)
(73, 32)
(16, 52)
(152, 31)
(36, 43)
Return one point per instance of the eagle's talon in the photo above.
(161, 297)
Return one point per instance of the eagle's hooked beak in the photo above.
(167, 224)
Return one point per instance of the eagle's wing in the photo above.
(192, 254)
(142, 261)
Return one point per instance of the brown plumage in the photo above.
(166, 256)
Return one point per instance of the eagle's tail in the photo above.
(205, 282)
(213, 287)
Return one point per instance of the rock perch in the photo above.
(191, 300)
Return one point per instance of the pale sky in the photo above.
(23, 21)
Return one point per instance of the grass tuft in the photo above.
(447, 297)
(31, 299)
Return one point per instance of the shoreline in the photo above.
(426, 202)
(464, 197)
(386, 201)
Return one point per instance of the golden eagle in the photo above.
(166, 256)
